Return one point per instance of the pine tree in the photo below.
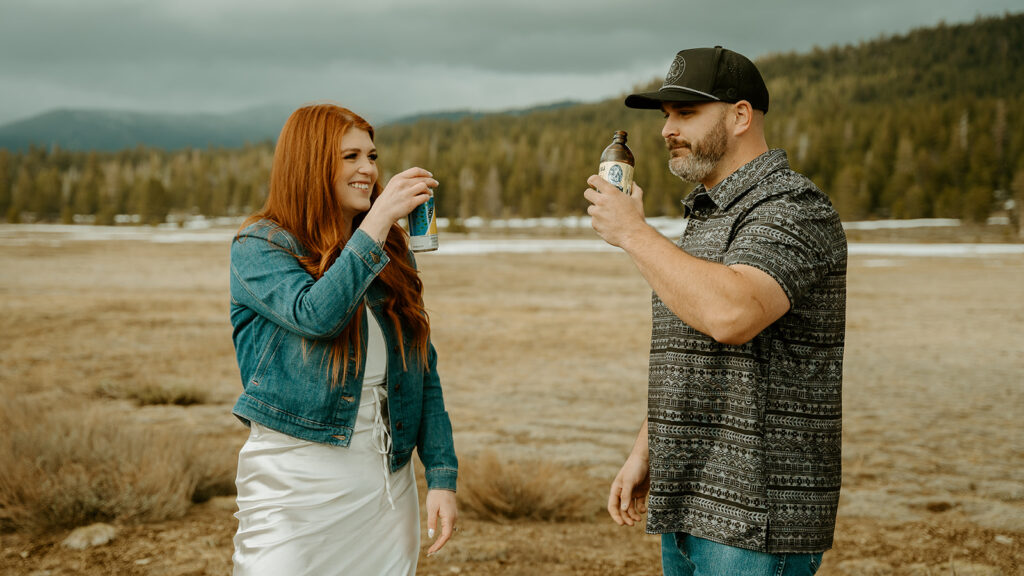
(87, 195)
(849, 193)
(493, 204)
(1017, 187)
(24, 188)
(466, 193)
(902, 180)
(978, 204)
(5, 180)
(153, 201)
(46, 200)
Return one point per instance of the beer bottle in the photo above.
(617, 163)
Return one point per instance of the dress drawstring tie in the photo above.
(382, 438)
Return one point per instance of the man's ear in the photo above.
(743, 113)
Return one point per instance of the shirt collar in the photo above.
(736, 184)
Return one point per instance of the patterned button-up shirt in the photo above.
(745, 440)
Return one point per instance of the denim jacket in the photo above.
(283, 322)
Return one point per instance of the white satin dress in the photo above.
(313, 509)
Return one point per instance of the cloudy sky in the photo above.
(388, 58)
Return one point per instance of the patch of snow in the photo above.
(216, 231)
(935, 250)
(902, 224)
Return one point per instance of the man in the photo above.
(739, 457)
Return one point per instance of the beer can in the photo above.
(423, 227)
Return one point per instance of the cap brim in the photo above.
(653, 100)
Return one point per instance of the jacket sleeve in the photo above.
(266, 277)
(435, 443)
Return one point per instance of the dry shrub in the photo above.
(215, 465)
(146, 394)
(498, 491)
(61, 468)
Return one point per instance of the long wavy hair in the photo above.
(302, 200)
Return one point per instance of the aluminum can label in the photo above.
(423, 227)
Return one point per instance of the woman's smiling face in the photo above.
(357, 172)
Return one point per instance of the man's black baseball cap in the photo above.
(707, 75)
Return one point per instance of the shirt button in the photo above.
(375, 257)
(398, 387)
(398, 426)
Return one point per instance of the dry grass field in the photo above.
(117, 375)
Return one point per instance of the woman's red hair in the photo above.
(302, 200)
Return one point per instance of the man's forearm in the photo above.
(715, 299)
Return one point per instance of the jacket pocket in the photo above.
(267, 355)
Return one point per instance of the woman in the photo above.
(339, 375)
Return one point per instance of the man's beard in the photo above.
(704, 154)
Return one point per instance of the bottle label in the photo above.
(618, 173)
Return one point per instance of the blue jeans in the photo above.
(685, 555)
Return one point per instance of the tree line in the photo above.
(930, 124)
(58, 185)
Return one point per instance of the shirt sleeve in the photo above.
(796, 239)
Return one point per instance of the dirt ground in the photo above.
(544, 357)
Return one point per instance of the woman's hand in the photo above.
(405, 191)
(440, 503)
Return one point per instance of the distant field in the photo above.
(543, 358)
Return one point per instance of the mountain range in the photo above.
(112, 130)
(108, 130)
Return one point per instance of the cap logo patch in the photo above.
(675, 72)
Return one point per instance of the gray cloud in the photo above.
(395, 57)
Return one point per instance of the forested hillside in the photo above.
(929, 124)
